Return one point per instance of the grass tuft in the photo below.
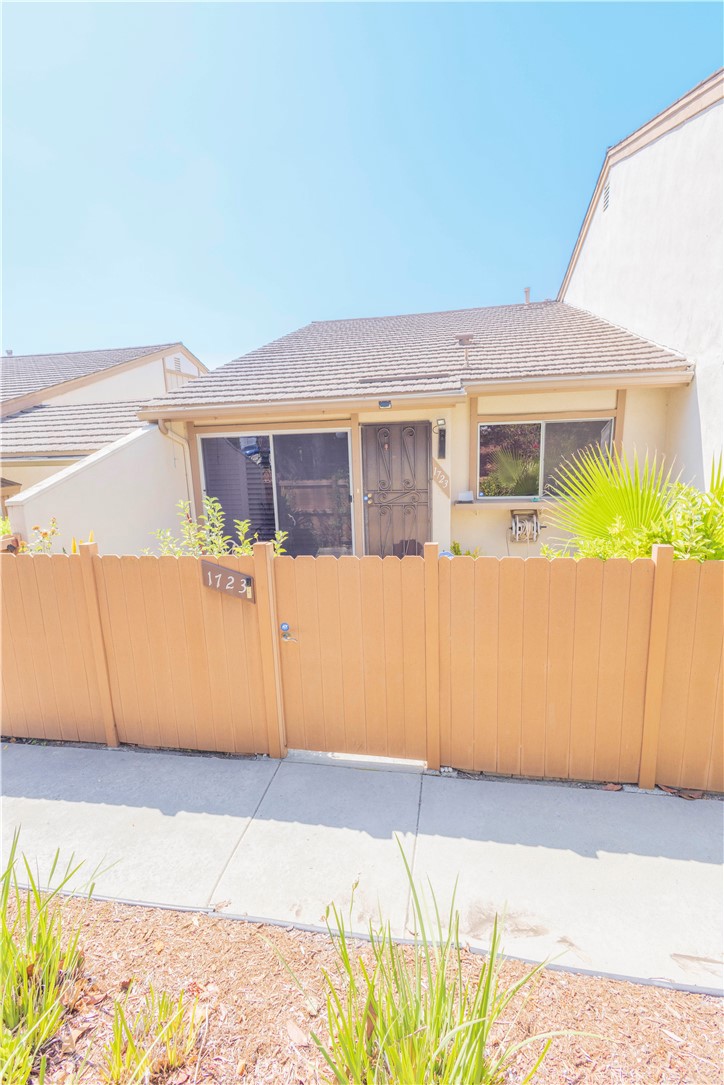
(158, 1040)
(412, 1016)
(40, 967)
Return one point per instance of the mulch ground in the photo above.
(259, 1022)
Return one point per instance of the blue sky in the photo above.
(224, 173)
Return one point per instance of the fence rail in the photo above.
(588, 670)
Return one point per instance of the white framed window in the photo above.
(519, 459)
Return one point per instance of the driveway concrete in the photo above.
(623, 883)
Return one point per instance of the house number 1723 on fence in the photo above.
(227, 581)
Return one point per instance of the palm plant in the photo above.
(513, 474)
(611, 507)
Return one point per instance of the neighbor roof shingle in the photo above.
(22, 374)
(420, 353)
(66, 427)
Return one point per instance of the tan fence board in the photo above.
(611, 668)
(41, 648)
(290, 652)
(584, 684)
(462, 660)
(393, 674)
(536, 611)
(447, 750)
(310, 653)
(17, 683)
(703, 730)
(353, 681)
(175, 621)
(715, 775)
(374, 649)
(486, 647)
(78, 653)
(510, 664)
(412, 587)
(559, 687)
(677, 672)
(634, 682)
(330, 653)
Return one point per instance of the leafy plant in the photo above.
(457, 551)
(513, 474)
(412, 1016)
(40, 967)
(159, 1039)
(205, 537)
(5, 528)
(614, 508)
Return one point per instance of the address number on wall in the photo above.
(227, 581)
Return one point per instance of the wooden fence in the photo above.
(588, 670)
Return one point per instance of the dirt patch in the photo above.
(259, 1022)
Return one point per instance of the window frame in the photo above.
(271, 432)
(605, 416)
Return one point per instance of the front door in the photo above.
(396, 477)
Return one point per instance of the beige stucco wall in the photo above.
(485, 525)
(652, 262)
(28, 474)
(140, 382)
(122, 493)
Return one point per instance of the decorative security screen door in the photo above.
(396, 476)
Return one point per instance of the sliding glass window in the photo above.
(293, 482)
(520, 459)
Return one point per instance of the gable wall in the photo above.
(652, 263)
(141, 382)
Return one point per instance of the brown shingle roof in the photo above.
(66, 427)
(22, 374)
(420, 354)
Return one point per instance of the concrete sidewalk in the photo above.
(623, 883)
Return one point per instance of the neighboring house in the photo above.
(372, 436)
(649, 257)
(59, 408)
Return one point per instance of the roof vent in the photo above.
(606, 195)
(464, 340)
(527, 295)
(8, 354)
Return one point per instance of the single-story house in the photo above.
(374, 435)
(58, 408)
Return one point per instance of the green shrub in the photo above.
(616, 509)
(40, 967)
(457, 551)
(412, 1016)
(205, 537)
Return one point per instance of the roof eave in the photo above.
(651, 378)
(192, 411)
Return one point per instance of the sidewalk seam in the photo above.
(241, 837)
(414, 856)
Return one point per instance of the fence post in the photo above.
(432, 654)
(658, 635)
(88, 551)
(269, 640)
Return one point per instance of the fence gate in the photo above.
(353, 661)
